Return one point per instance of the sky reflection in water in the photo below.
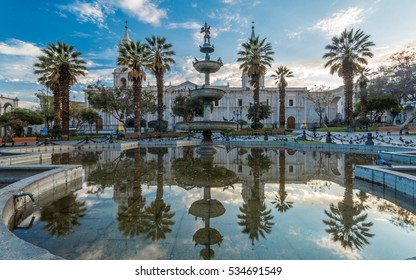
(246, 204)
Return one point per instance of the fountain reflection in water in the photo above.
(254, 203)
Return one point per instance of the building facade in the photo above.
(236, 102)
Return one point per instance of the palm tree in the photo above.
(255, 57)
(346, 56)
(60, 65)
(281, 73)
(134, 58)
(362, 83)
(159, 62)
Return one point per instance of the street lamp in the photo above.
(237, 113)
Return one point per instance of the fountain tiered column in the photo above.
(207, 93)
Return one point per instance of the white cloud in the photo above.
(338, 21)
(184, 25)
(144, 10)
(17, 68)
(294, 35)
(95, 12)
(18, 47)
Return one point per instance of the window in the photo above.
(291, 102)
(290, 168)
(240, 102)
(216, 103)
(267, 102)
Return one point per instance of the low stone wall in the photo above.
(390, 177)
(13, 158)
(55, 180)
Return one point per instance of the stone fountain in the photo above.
(208, 95)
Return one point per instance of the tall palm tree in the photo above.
(134, 57)
(280, 76)
(160, 58)
(346, 56)
(60, 66)
(362, 83)
(255, 57)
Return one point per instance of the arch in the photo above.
(335, 110)
(7, 107)
(123, 83)
(291, 122)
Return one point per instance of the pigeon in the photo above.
(381, 161)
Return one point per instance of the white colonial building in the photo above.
(236, 102)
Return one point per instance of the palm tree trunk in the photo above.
(56, 107)
(348, 91)
(256, 98)
(282, 108)
(137, 96)
(159, 85)
(64, 79)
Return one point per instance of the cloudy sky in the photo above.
(298, 30)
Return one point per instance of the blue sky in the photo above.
(298, 30)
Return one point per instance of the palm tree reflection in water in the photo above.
(280, 198)
(255, 218)
(62, 215)
(347, 221)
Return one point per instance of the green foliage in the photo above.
(89, 116)
(263, 112)
(17, 119)
(187, 107)
(158, 125)
(46, 105)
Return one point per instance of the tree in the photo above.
(187, 107)
(321, 97)
(17, 119)
(117, 101)
(362, 84)
(89, 116)
(262, 112)
(255, 57)
(114, 101)
(60, 65)
(134, 57)
(46, 106)
(402, 81)
(382, 97)
(160, 58)
(280, 76)
(346, 55)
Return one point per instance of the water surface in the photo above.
(244, 204)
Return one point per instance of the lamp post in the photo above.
(237, 113)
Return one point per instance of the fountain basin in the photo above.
(208, 93)
(207, 125)
(207, 66)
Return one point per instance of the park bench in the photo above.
(259, 132)
(242, 132)
(173, 134)
(24, 140)
(281, 131)
(134, 135)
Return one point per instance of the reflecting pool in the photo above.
(244, 203)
